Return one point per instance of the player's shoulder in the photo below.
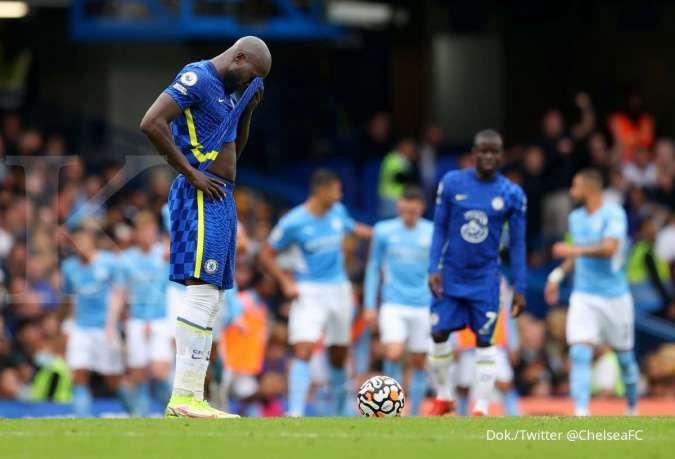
(108, 258)
(339, 208)
(197, 69)
(384, 227)
(69, 263)
(577, 213)
(511, 187)
(426, 225)
(296, 215)
(613, 210)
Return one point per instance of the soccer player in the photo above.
(472, 206)
(399, 257)
(324, 303)
(601, 307)
(145, 275)
(201, 126)
(91, 279)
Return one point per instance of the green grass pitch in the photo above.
(319, 438)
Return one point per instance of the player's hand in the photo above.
(370, 318)
(518, 304)
(255, 100)
(211, 187)
(552, 293)
(563, 250)
(436, 284)
(289, 289)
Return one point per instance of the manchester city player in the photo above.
(145, 275)
(472, 206)
(91, 280)
(601, 307)
(399, 258)
(323, 295)
(201, 126)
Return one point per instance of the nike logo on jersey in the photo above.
(220, 101)
(460, 197)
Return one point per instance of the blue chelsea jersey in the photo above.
(145, 278)
(91, 284)
(600, 276)
(468, 221)
(318, 242)
(400, 256)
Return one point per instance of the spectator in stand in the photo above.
(377, 140)
(600, 156)
(534, 184)
(632, 127)
(641, 171)
(399, 168)
(432, 142)
(663, 192)
(560, 165)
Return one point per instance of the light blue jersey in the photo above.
(317, 242)
(91, 285)
(401, 255)
(145, 276)
(600, 276)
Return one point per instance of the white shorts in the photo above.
(596, 319)
(89, 349)
(405, 324)
(322, 308)
(466, 367)
(148, 341)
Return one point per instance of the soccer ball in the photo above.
(380, 396)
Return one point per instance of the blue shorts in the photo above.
(450, 314)
(203, 234)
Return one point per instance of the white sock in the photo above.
(193, 339)
(486, 373)
(440, 362)
(208, 344)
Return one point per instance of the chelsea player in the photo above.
(91, 280)
(323, 303)
(601, 306)
(472, 206)
(399, 257)
(201, 126)
(145, 277)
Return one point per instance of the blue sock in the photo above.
(143, 399)
(462, 405)
(298, 386)
(581, 356)
(127, 397)
(81, 401)
(418, 388)
(630, 374)
(393, 370)
(161, 391)
(511, 405)
(338, 390)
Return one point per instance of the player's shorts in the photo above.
(450, 314)
(148, 341)
(203, 234)
(322, 309)
(405, 324)
(596, 319)
(466, 367)
(89, 349)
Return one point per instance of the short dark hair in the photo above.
(413, 192)
(322, 177)
(592, 175)
(488, 135)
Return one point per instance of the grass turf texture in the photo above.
(404, 438)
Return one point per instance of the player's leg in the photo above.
(161, 356)
(338, 337)
(465, 376)
(79, 358)
(447, 315)
(504, 384)
(483, 318)
(417, 345)
(620, 333)
(393, 335)
(109, 363)
(305, 322)
(137, 363)
(583, 332)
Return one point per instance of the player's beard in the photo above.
(231, 81)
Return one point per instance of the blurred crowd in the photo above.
(47, 193)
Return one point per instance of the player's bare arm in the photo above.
(555, 278)
(362, 231)
(155, 125)
(606, 249)
(268, 259)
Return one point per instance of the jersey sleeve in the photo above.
(441, 220)
(347, 219)
(616, 225)
(283, 235)
(517, 247)
(189, 87)
(374, 269)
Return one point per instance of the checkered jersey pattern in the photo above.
(183, 229)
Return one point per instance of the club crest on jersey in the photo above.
(211, 266)
(188, 78)
(475, 230)
(498, 203)
(434, 319)
(336, 224)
